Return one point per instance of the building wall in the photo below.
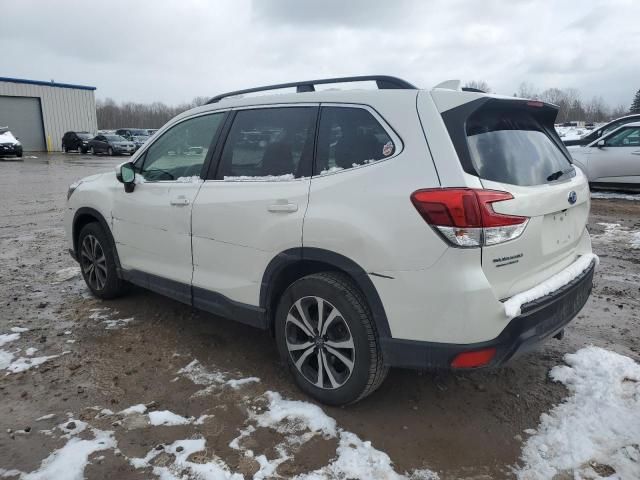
(63, 109)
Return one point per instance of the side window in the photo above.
(626, 137)
(350, 137)
(181, 150)
(269, 142)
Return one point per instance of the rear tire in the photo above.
(97, 262)
(346, 341)
(65, 149)
(92, 150)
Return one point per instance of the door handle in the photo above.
(179, 201)
(283, 207)
(637, 152)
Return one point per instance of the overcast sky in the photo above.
(173, 51)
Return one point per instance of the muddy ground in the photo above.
(129, 351)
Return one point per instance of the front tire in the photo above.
(326, 335)
(97, 262)
(92, 150)
(110, 151)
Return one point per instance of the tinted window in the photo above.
(84, 136)
(512, 146)
(626, 137)
(350, 137)
(269, 141)
(181, 150)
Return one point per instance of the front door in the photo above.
(252, 208)
(618, 161)
(152, 224)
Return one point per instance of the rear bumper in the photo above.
(540, 319)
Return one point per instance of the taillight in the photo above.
(465, 218)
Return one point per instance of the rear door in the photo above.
(618, 160)
(512, 147)
(251, 207)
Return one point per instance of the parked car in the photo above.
(612, 161)
(9, 144)
(76, 141)
(442, 228)
(139, 140)
(151, 131)
(111, 144)
(603, 130)
(129, 133)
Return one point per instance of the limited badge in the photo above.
(387, 149)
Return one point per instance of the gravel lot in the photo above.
(111, 355)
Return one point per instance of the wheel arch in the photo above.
(293, 264)
(86, 215)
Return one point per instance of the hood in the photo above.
(7, 137)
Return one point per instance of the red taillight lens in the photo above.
(477, 358)
(465, 217)
(448, 207)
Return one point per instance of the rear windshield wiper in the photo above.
(558, 174)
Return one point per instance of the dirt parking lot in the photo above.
(200, 385)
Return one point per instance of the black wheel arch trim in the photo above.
(82, 211)
(339, 262)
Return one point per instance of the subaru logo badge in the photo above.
(573, 197)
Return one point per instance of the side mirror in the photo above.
(600, 144)
(127, 175)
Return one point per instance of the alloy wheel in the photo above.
(93, 262)
(320, 343)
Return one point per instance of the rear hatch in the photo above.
(511, 146)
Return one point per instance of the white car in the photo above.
(612, 161)
(364, 228)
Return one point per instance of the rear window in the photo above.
(512, 146)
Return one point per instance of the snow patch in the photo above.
(8, 337)
(23, 364)
(31, 351)
(300, 421)
(181, 467)
(598, 423)
(139, 408)
(614, 232)
(358, 459)
(167, 418)
(237, 383)
(69, 462)
(614, 196)
(331, 170)
(19, 329)
(199, 375)
(288, 416)
(104, 316)
(513, 305)
(66, 274)
(265, 178)
(45, 417)
(193, 179)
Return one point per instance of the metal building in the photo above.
(39, 113)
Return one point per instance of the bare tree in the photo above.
(138, 115)
(478, 85)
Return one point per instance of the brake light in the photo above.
(465, 218)
(474, 359)
(534, 103)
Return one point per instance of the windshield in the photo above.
(85, 136)
(512, 146)
(115, 138)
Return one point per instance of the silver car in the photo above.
(612, 161)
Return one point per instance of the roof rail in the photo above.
(384, 82)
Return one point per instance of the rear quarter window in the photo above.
(512, 146)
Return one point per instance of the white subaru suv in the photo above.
(365, 228)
